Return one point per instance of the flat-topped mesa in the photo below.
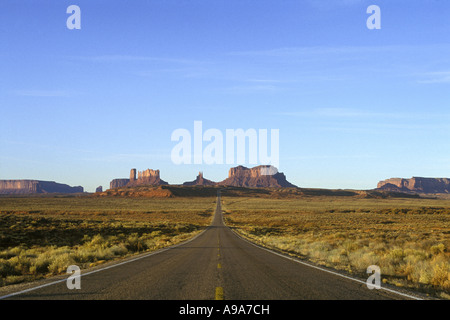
(416, 184)
(146, 177)
(255, 172)
(19, 186)
(149, 173)
(260, 176)
(118, 183)
(36, 186)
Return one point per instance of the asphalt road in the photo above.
(215, 265)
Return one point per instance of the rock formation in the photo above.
(200, 181)
(147, 177)
(99, 189)
(132, 174)
(118, 183)
(260, 176)
(416, 184)
(36, 186)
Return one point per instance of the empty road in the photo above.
(215, 265)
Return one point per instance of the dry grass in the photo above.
(409, 239)
(42, 236)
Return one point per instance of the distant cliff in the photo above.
(36, 186)
(260, 176)
(416, 184)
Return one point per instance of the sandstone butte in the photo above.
(200, 181)
(147, 177)
(260, 176)
(416, 184)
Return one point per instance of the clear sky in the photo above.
(353, 106)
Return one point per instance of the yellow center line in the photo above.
(219, 266)
(219, 293)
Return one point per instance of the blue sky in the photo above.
(353, 106)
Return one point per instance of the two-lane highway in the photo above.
(217, 264)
